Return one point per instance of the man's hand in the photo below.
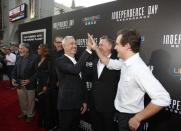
(14, 82)
(45, 88)
(91, 42)
(83, 109)
(150, 110)
(25, 82)
(134, 123)
(93, 45)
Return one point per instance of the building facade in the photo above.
(35, 9)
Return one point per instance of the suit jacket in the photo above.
(43, 74)
(104, 88)
(28, 67)
(53, 76)
(71, 90)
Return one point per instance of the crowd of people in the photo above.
(51, 82)
(8, 54)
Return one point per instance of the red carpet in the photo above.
(9, 109)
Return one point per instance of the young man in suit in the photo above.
(71, 96)
(104, 89)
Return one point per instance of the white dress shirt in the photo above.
(11, 59)
(136, 80)
(71, 58)
(100, 66)
(74, 61)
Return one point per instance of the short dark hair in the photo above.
(111, 41)
(57, 36)
(132, 37)
(44, 49)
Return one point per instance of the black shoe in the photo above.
(21, 116)
(55, 128)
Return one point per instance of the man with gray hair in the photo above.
(72, 93)
(23, 77)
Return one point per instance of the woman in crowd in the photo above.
(43, 71)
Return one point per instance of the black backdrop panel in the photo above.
(34, 37)
(35, 32)
(159, 24)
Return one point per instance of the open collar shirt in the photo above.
(136, 80)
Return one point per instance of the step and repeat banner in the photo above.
(159, 23)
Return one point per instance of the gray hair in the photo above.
(66, 39)
(26, 45)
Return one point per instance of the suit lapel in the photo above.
(95, 67)
(96, 62)
(104, 70)
(67, 59)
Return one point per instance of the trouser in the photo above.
(26, 101)
(1, 76)
(102, 121)
(123, 119)
(69, 120)
(9, 72)
(53, 113)
(43, 109)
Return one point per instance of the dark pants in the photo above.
(69, 120)
(102, 121)
(53, 114)
(9, 72)
(123, 119)
(42, 108)
(1, 76)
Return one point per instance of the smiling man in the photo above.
(136, 79)
(71, 96)
(104, 89)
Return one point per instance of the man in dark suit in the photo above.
(104, 89)
(23, 77)
(56, 52)
(71, 96)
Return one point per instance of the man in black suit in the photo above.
(104, 89)
(71, 96)
(56, 52)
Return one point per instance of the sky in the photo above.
(85, 3)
